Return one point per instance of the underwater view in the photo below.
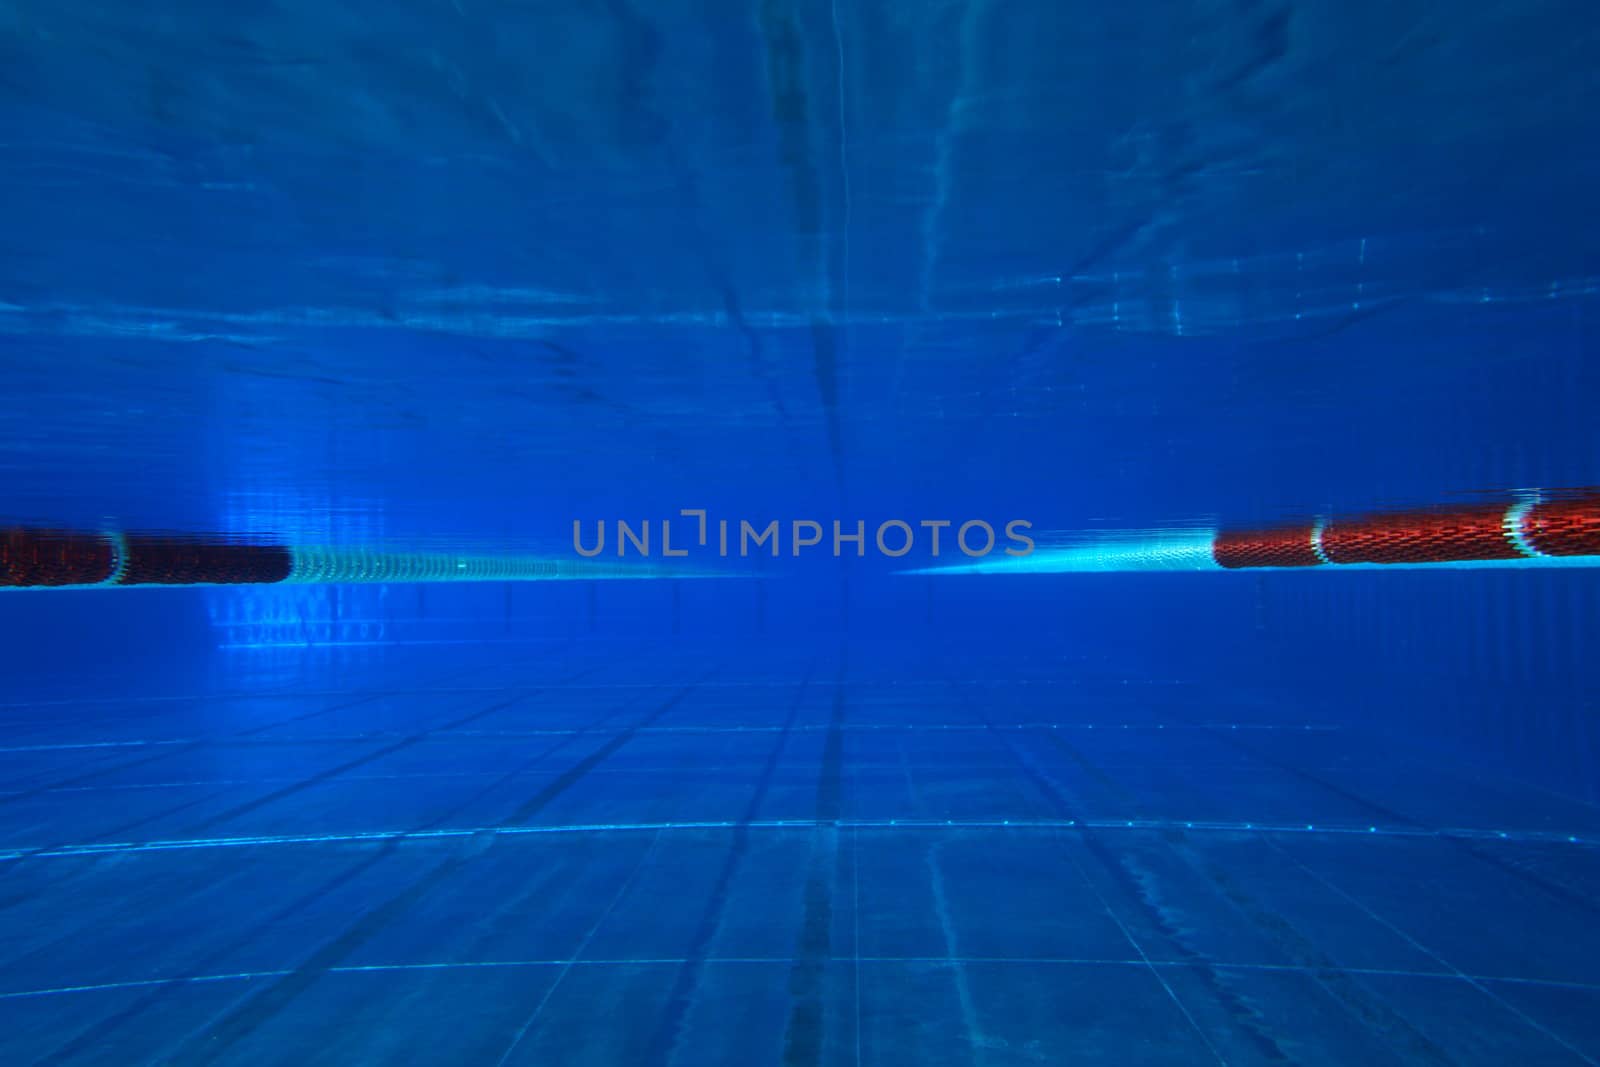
(799, 532)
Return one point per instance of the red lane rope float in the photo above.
(1420, 537)
(1525, 530)
(1290, 546)
(190, 561)
(1564, 527)
(55, 557)
(59, 558)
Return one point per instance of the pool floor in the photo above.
(614, 854)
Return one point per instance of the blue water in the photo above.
(448, 277)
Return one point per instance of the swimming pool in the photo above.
(469, 485)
